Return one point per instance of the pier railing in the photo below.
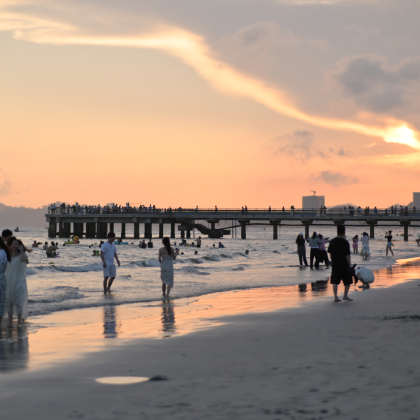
(344, 211)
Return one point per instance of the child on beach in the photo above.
(389, 243)
(356, 244)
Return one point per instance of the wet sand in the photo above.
(263, 353)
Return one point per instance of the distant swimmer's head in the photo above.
(111, 237)
(195, 252)
(247, 252)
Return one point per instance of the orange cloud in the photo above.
(193, 50)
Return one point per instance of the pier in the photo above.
(96, 222)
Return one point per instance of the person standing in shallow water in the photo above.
(339, 251)
(314, 243)
(16, 289)
(5, 258)
(108, 253)
(166, 257)
(301, 249)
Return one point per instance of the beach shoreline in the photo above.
(64, 336)
(318, 360)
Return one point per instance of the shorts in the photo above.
(338, 275)
(110, 271)
(389, 244)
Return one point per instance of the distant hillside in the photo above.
(10, 217)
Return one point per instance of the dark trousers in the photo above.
(314, 254)
(323, 256)
(302, 255)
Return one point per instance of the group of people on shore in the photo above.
(13, 288)
(340, 259)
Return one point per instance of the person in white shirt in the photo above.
(108, 253)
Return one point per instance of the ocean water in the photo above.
(74, 279)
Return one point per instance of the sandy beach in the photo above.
(310, 360)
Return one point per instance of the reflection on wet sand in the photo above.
(14, 350)
(168, 316)
(110, 321)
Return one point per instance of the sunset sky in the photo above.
(209, 102)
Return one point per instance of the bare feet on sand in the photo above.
(347, 298)
(337, 300)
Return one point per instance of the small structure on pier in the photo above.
(313, 201)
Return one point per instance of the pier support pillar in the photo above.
(66, 230)
(160, 230)
(111, 227)
(101, 230)
(78, 229)
(372, 224)
(188, 234)
(148, 230)
(172, 230)
(90, 230)
(52, 229)
(122, 230)
(275, 231)
(405, 225)
(243, 230)
(136, 230)
(182, 234)
(307, 223)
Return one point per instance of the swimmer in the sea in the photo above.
(195, 252)
(247, 252)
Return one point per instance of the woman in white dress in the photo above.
(4, 259)
(16, 290)
(365, 246)
(166, 257)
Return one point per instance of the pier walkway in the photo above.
(95, 222)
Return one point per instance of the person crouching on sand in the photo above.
(339, 251)
(108, 253)
(166, 257)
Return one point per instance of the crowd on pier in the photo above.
(76, 208)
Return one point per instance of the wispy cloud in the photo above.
(336, 178)
(5, 187)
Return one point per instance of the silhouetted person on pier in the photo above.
(339, 251)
